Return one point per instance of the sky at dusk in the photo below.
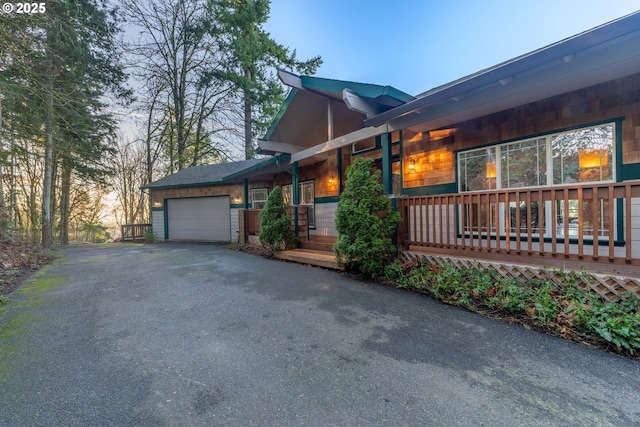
(415, 45)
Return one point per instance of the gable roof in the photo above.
(203, 174)
(385, 97)
(316, 104)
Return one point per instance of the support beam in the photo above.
(387, 172)
(290, 79)
(341, 141)
(279, 147)
(361, 105)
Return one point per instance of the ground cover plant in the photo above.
(564, 310)
(19, 259)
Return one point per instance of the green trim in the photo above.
(281, 111)
(195, 184)
(157, 209)
(431, 189)
(364, 90)
(329, 199)
(246, 193)
(630, 171)
(237, 206)
(340, 177)
(295, 195)
(236, 176)
(387, 155)
(166, 219)
(619, 175)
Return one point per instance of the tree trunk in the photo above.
(3, 207)
(65, 189)
(47, 185)
(248, 142)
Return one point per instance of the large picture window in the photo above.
(576, 156)
(583, 155)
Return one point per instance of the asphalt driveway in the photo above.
(199, 335)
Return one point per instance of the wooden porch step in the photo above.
(319, 243)
(310, 257)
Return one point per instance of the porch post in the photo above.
(387, 178)
(245, 238)
(295, 195)
(387, 173)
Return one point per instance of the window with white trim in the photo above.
(259, 197)
(306, 193)
(576, 156)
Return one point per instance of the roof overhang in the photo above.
(317, 108)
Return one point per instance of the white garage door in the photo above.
(203, 218)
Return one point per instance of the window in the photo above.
(307, 198)
(286, 195)
(364, 145)
(306, 192)
(584, 155)
(576, 156)
(259, 197)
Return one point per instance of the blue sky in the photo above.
(415, 45)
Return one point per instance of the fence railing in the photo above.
(250, 222)
(133, 231)
(592, 222)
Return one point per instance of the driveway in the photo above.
(199, 335)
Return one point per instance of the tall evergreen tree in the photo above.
(61, 80)
(250, 58)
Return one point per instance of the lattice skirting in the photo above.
(611, 288)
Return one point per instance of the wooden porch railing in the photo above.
(133, 231)
(591, 222)
(250, 222)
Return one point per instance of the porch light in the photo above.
(490, 169)
(157, 204)
(332, 180)
(412, 166)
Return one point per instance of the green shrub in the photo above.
(567, 309)
(365, 222)
(275, 225)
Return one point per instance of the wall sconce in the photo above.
(237, 200)
(412, 166)
(157, 204)
(332, 180)
(490, 169)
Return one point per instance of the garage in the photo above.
(200, 218)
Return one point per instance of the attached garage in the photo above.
(199, 218)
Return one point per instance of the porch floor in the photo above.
(310, 257)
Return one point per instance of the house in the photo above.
(538, 156)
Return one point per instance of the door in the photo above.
(202, 218)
